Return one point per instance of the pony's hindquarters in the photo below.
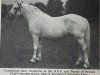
(81, 31)
(87, 36)
(87, 41)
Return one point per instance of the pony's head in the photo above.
(16, 9)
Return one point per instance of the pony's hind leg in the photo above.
(84, 52)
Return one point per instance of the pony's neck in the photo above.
(30, 12)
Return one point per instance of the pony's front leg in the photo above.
(36, 46)
(39, 51)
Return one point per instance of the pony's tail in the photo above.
(87, 36)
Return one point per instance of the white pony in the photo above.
(43, 25)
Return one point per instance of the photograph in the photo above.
(49, 34)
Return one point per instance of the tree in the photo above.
(54, 8)
(4, 10)
(41, 6)
(86, 8)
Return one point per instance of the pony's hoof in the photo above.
(38, 59)
(86, 66)
(33, 60)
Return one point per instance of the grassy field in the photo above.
(16, 48)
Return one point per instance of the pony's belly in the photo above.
(54, 35)
(54, 32)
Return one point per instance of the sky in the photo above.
(28, 1)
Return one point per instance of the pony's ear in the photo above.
(22, 1)
(18, 3)
(15, 1)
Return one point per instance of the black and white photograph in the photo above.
(49, 34)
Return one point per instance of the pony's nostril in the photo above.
(10, 16)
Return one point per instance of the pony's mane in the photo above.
(32, 7)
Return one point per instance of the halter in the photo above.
(15, 13)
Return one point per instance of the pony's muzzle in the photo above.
(10, 16)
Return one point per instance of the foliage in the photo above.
(4, 10)
(41, 6)
(86, 8)
(54, 8)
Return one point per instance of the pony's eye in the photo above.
(15, 8)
